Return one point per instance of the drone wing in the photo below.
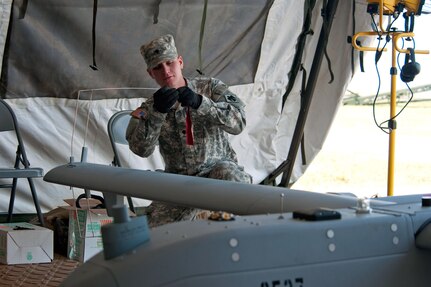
(204, 193)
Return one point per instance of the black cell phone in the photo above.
(316, 214)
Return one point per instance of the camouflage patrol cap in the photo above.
(159, 50)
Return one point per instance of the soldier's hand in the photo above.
(188, 98)
(164, 99)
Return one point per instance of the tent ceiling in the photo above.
(50, 43)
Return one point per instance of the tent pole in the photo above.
(286, 167)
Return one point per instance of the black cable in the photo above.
(375, 99)
(377, 58)
(408, 86)
(404, 106)
(406, 22)
(393, 21)
(94, 65)
(402, 109)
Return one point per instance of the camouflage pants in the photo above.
(159, 213)
(226, 170)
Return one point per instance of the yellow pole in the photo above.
(392, 123)
(393, 112)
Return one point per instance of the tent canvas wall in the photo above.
(63, 104)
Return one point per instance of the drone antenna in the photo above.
(281, 206)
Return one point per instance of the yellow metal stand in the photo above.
(392, 130)
(395, 36)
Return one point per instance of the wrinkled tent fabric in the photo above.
(63, 105)
(50, 48)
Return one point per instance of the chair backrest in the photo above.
(117, 126)
(8, 122)
(7, 117)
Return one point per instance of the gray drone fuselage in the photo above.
(390, 246)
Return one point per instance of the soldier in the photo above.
(190, 120)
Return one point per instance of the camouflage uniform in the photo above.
(211, 156)
(220, 113)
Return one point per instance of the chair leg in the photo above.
(12, 200)
(132, 208)
(36, 202)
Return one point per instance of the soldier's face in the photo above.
(168, 73)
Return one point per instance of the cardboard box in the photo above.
(84, 234)
(22, 243)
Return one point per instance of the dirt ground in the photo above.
(354, 158)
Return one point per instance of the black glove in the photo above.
(164, 99)
(188, 98)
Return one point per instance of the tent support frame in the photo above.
(286, 167)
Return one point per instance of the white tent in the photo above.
(62, 104)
